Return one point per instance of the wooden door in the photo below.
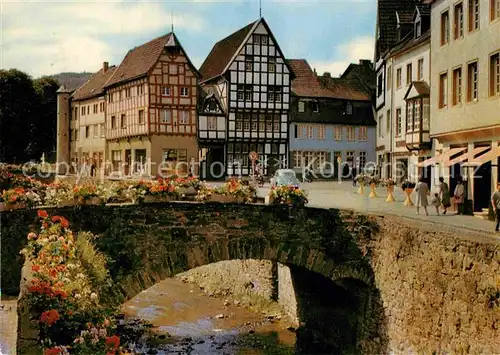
(128, 161)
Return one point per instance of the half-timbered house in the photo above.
(151, 110)
(249, 78)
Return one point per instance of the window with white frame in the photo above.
(271, 64)
(337, 133)
(248, 63)
(315, 106)
(184, 117)
(362, 133)
(274, 93)
(212, 123)
(416, 117)
(362, 159)
(297, 159)
(321, 132)
(320, 159)
(300, 131)
(348, 109)
(96, 131)
(350, 156)
(166, 116)
(165, 91)
(310, 132)
(426, 114)
(399, 124)
(184, 91)
(302, 106)
(409, 116)
(380, 119)
(351, 133)
(101, 128)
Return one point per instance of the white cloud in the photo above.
(351, 52)
(50, 37)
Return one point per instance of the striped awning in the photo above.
(466, 156)
(482, 159)
(441, 157)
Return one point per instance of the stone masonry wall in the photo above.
(440, 290)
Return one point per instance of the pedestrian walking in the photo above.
(354, 174)
(458, 196)
(436, 202)
(422, 192)
(495, 202)
(444, 194)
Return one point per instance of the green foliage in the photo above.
(92, 260)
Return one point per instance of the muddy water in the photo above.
(192, 323)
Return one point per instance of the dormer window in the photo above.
(315, 106)
(418, 29)
(348, 109)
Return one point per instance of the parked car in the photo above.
(284, 177)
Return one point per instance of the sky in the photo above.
(53, 36)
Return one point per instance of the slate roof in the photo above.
(387, 20)
(95, 85)
(308, 84)
(424, 9)
(222, 53)
(410, 42)
(141, 59)
(361, 77)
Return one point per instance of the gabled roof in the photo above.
(140, 60)
(95, 85)
(421, 88)
(410, 42)
(224, 51)
(208, 92)
(387, 20)
(307, 84)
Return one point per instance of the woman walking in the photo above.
(422, 191)
(444, 194)
(459, 196)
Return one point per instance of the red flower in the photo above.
(42, 214)
(55, 219)
(50, 317)
(64, 222)
(113, 341)
(53, 351)
(35, 268)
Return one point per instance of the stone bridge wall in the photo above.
(439, 290)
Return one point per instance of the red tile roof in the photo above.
(140, 60)
(307, 83)
(95, 85)
(222, 52)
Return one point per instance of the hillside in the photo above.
(71, 80)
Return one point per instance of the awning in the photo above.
(466, 156)
(491, 155)
(441, 157)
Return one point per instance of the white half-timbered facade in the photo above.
(252, 85)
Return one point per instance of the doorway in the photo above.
(128, 161)
(482, 186)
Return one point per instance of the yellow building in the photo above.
(151, 102)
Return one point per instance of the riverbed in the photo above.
(190, 322)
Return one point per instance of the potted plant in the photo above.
(289, 195)
(389, 183)
(87, 194)
(373, 181)
(362, 180)
(408, 187)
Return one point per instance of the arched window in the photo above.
(348, 109)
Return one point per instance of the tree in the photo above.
(44, 125)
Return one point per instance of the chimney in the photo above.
(327, 74)
(366, 62)
(105, 66)
(314, 69)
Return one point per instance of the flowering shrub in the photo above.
(57, 192)
(204, 193)
(407, 185)
(289, 195)
(362, 179)
(70, 288)
(84, 192)
(239, 189)
(372, 179)
(388, 182)
(20, 195)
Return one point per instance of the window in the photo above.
(297, 159)
(244, 92)
(123, 121)
(128, 92)
(389, 78)
(457, 86)
(248, 63)
(101, 128)
(445, 28)
(95, 108)
(276, 126)
(263, 39)
(362, 159)
(96, 131)
(388, 121)
(321, 132)
(348, 109)
(380, 119)
(76, 134)
(458, 21)
(271, 64)
(166, 116)
(420, 69)
(88, 109)
(256, 39)
(310, 132)
(140, 89)
(380, 85)
(426, 113)
(472, 93)
(113, 122)
(409, 76)
(119, 95)
(87, 131)
(409, 116)
(184, 91)
(351, 133)
(443, 90)
(416, 116)
(315, 106)
(399, 123)
(184, 117)
(110, 98)
(337, 133)
(274, 93)
(301, 106)
(399, 77)
(141, 116)
(495, 74)
(116, 157)
(165, 91)
(362, 133)
(494, 9)
(418, 29)
(212, 123)
(101, 107)
(350, 155)
(83, 110)
(473, 15)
